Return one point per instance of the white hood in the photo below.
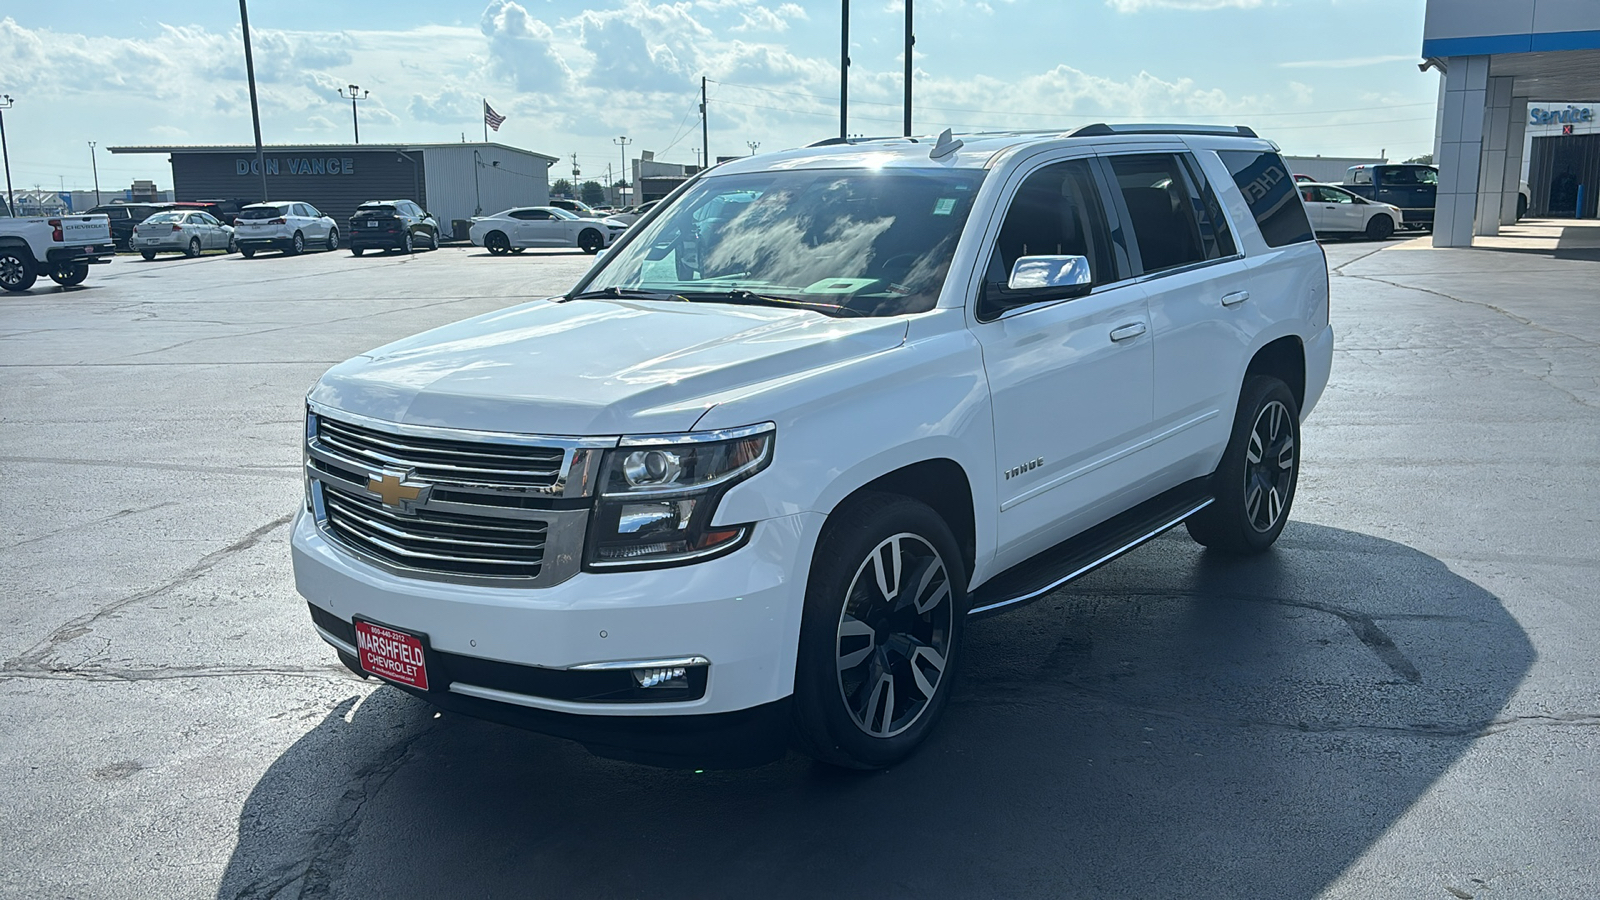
(593, 367)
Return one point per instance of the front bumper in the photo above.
(741, 612)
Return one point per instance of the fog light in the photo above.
(668, 677)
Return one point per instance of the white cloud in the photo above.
(1133, 6)
(521, 48)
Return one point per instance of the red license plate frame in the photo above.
(393, 654)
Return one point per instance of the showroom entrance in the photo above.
(1566, 176)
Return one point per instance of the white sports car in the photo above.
(515, 230)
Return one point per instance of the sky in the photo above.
(1330, 77)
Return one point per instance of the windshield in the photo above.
(260, 212)
(842, 242)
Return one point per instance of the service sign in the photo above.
(392, 655)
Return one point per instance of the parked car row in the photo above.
(125, 216)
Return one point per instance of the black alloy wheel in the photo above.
(71, 276)
(590, 241)
(884, 609)
(1254, 485)
(497, 243)
(1379, 227)
(17, 271)
(193, 250)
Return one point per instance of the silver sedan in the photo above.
(178, 231)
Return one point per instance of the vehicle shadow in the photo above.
(1177, 724)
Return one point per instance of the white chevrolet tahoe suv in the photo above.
(745, 482)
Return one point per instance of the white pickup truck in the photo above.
(62, 247)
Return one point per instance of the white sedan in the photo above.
(515, 230)
(177, 231)
(1335, 212)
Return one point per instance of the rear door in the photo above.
(1188, 261)
(1338, 211)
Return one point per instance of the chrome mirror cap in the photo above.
(1033, 272)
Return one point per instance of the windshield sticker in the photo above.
(837, 285)
(945, 206)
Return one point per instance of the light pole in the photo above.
(752, 145)
(353, 97)
(95, 164)
(11, 200)
(844, 69)
(911, 41)
(623, 142)
(255, 108)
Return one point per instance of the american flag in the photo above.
(490, 117)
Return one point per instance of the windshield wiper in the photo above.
(616, 293)
(751, 298)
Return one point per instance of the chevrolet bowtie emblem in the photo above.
(391, 489)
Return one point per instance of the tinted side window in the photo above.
(1215, 237)
(1056, 212)
(1161, 209)
(1269, 190)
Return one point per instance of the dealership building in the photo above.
(452, 181)
(1497, 58)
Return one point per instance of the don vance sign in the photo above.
(297, 165)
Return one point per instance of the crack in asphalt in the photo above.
(290, 327)
(273, 470)
(120, 514)
(33, 658)
(1520, 320)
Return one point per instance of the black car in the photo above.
(392, 225)
(124, 216)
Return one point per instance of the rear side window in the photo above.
(1161, 209)
(1269, 191)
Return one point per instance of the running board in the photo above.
(1075, 557)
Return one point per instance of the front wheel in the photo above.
(1253, 487)
(433, 240)
(233, 245)
(71, 277)
(17, 270)
(1379, 228)
(880, 633)
(409, 246)
(333, 239)
(590, 241)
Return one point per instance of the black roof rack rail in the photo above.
(829, 142)
(1101, 129)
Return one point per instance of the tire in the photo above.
(71, 277)
(518, 249)
(497, 243)
(193, 249)
(297, 246)
(247, 252)
(233, 245)
(590, 241)
(1379, 228)
(333, 239)
(860, 701)
(1253, 498)
(407, 244)
(1522, 207)
(18, 271)
(433, 240)
(148, 254)
(356, 251)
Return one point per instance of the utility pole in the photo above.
(353, 98)
(752, 145)
(95, 164)
(911, 41)
(6, 103)
(576, 174)
(705, 130)
(623, 142)
(255, 108)
(844, 69)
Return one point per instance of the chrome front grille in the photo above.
(454, 505)
(438, 542)
(439, 461)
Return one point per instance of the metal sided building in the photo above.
(452, 181)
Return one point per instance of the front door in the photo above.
(1069, 377)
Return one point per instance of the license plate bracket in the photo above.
(393, 654)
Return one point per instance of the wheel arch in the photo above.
(1285, 360)
(17, 243)
(940, 483)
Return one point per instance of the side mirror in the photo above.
(1035, 272)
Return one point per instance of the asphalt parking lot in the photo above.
(1401, 700)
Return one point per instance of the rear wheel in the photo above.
(1379, 228)
(356, 251)
(497, 243)
(247, 252)
(1254, 484)
(298, 245)
(17, 270)
(148, 254)
(590, 241)
(880, 634)
(71, 276)
(193, 249)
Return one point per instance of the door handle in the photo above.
(1235, 298)
(1128, 332)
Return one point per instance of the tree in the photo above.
(1426, 159)
(561, 188)
(592, 193)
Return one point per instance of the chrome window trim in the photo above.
(1179, 270)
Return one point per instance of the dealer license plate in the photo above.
(372, 224)
(392, 655)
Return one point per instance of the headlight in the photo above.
(658, 494)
